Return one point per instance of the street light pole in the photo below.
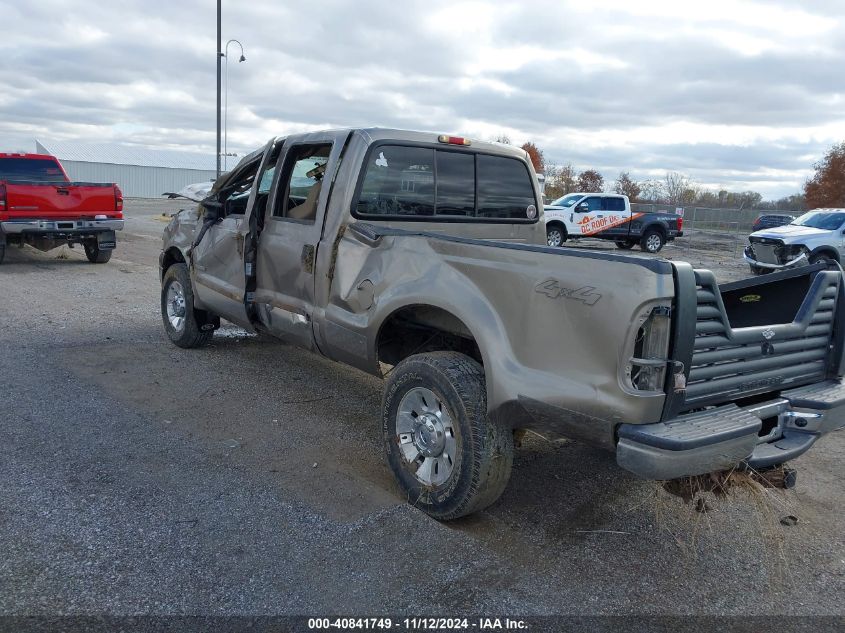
(219, 55)
(226, 101)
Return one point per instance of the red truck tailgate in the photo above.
(60, 200)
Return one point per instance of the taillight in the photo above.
(647, 367)
(118, 199)
(2, 198)
(680, 223)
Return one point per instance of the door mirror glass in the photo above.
(582, 207)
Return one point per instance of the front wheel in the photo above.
(95, 254)
(652, 241)
(822, 258)
(555, 235)
(449, 458)
(178, 312)
(625, 244)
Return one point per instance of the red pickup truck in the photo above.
(40, 206)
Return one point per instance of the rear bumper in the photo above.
(726, 436)
(45, 228)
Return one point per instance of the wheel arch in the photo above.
(826, 250)
(655, 226)
(423, 327)
(172, 255)
(558, 224)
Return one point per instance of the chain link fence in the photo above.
(708, 228)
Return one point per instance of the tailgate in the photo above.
(763, 335)
(59, 200)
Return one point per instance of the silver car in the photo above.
(814, 237)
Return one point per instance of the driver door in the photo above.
(585, 216)
(217, 262)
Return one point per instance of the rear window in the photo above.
(425, 183)
(504, 188)
(31, 169)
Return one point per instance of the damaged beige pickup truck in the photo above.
(423, 259)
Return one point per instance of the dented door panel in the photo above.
(218, 270)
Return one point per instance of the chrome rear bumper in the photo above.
(726, 436)
(14, 227)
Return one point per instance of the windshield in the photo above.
(820, 220)
(568, 200)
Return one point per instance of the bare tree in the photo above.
(590, 181)
(652, 191)
(560, 180)
(627, 187)
(502, 138)
(680, 188)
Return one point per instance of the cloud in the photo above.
(741, 93)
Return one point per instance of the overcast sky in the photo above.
(738, 94)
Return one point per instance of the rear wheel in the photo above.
(180, 318)
(449, 458)
(652, 241)
(555, 235)
(2, 249)
(95, 254)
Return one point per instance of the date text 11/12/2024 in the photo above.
(417, 624)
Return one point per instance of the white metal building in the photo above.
(139, 172)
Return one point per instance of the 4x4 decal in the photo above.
(552, 289)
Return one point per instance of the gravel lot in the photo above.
(248, 478)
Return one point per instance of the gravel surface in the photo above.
(248, 478)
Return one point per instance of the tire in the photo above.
(756, 270)
(819, 258)
(178, 312)
(555, 235)
(652, 241)
(2, 249)
(436, 403)
(625, 244)
(95, 255)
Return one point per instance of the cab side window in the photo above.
(301, 182)
(614, 204)
(593, 204)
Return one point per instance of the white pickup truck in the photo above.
(608, 216)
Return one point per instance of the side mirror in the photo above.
(213, 210)
(211, 205)
(582, 207)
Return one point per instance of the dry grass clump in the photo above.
(727, 482)
(764, 492)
